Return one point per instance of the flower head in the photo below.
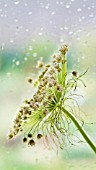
(42, 115)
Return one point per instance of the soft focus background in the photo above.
(31, 29)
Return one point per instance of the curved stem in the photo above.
(81, 129)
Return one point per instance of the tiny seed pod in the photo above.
(29, 80)
(45, 112)
(31, 142)
(25, 101)
(10, 136)
(50, 84)
(74, 73)
(19, 125)
(50, 97)
(21, 130)
(24, 139)
(24, 117)
(59, 88)
(39, 64)
(58, 58)
(45, 103)
(29, 135)
(39, 136)
(47, 65)
(29, 112)
(16, 121)
(59, 69)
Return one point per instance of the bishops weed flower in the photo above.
(49, 114)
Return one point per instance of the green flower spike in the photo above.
(53, 111)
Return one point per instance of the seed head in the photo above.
(42, 114)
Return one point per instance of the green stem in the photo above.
(81, 129)
(64, 70)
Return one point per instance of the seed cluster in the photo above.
(43, 112)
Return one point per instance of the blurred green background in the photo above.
(25, 39)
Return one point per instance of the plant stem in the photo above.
(81, 129)
(64, 69)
